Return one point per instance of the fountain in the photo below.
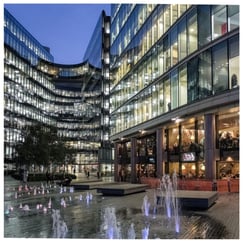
(131, 232)
(63, 202)
(145, 233)
(49, 203)
(110, 224)
(99, 217)
(61, 189)
(58, 225)
(26, 208)
(165, 215)
(145, 205)
(165, 197)
(45, 210)
(168, 189)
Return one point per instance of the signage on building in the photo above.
(188, 156)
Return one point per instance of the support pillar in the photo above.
(209, 146)
(133, 160)
(116, 172)
(159, 152)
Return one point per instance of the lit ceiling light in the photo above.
(142, 131)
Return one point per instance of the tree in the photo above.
(41, 146)
(58, 153)
(25, 149)
(69, 156)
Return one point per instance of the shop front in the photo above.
(228, 142)
(200, 147)
(185, 148)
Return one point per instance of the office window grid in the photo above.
(131, 93)
(30, 96)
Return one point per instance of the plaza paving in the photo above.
(225, 214)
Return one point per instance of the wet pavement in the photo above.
(34, 213)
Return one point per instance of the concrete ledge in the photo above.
(197, 199)
(121, 189)
(78, 181)
(89, 185)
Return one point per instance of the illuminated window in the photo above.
(219, 22)
(192, 32)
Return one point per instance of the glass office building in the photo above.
(174, 99)
(69, 97)
(159, 83)
(98, 54)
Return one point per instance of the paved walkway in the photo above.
(225, 210)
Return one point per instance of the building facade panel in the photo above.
(179, 58)
(68, 97)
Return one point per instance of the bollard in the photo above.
(214, 185)
(228, 182)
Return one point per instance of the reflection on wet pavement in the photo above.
(32, 216)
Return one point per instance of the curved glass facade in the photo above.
(68, 97)
(17, 37)
(94, 54)
(166, 59)
(100, 57)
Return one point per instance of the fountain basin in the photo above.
(121, 189)
(197, 199)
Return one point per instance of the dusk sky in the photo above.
(65, 28)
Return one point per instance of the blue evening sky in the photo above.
(65, 28)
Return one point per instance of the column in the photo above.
(133, 160)
(159, 152)
(209, 146)
(116, 172)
